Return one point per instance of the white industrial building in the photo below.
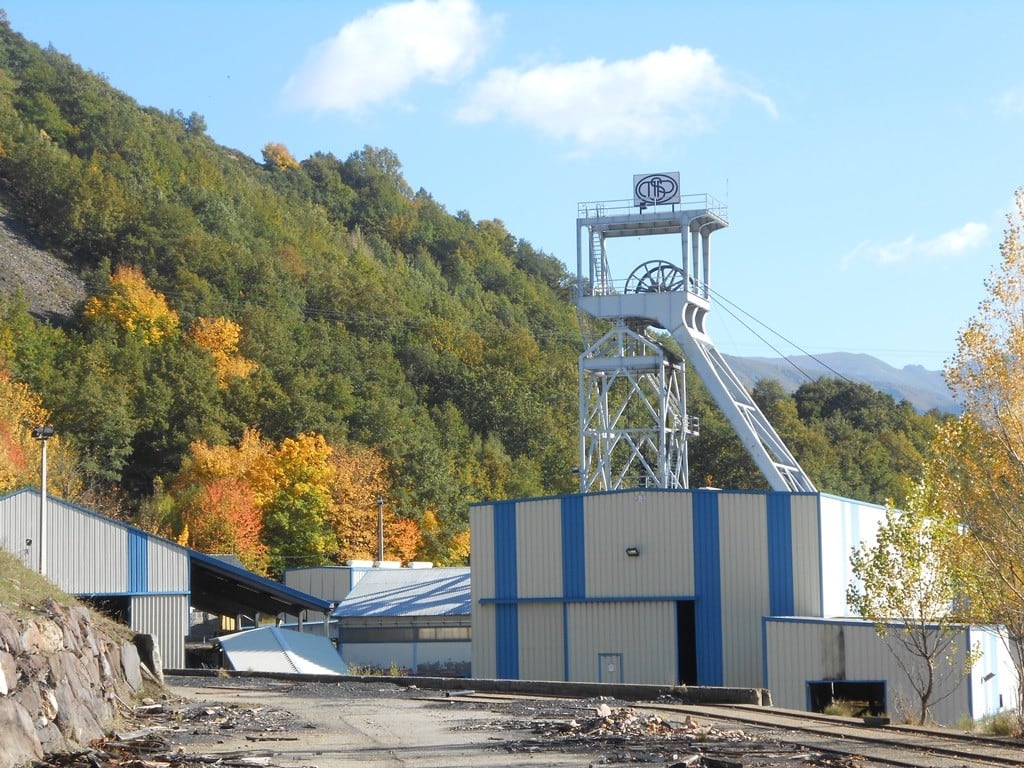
(695, 587)
(413, 619)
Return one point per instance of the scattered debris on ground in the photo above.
(620, 734)
(180, 734)
(161, 730)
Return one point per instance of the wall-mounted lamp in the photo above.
(988, 677)
(632, 551)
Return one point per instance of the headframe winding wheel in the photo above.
(656, 277)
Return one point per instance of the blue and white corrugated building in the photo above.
(150, 582)
(696, 587)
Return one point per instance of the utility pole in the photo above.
(42, 434)
(380, 529)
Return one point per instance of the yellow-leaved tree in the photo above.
(134, 306)
(220, 336)
(277, 156)
(20, 409)
(980, 456)
(361, 486)
(297, 520)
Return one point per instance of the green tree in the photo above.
(909, 584)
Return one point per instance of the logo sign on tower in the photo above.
(655, 189)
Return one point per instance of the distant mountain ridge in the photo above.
(924, 389)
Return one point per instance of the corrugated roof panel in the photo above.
(409, 592)
(273, 649)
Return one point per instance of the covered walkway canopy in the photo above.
(219, 587)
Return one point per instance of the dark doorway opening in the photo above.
(860, 697)
(116, 608)
(686, 632)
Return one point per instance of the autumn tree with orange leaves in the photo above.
(360, 484)
(296, 504)
(219, 496)
(20, 409)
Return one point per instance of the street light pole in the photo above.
(42, 434)
(380, 529)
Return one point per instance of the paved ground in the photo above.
(371, 725)
(383, 725)
(252, 722)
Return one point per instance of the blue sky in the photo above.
(868, 152)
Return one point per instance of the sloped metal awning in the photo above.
(230, 590)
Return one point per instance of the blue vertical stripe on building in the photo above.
(506, 580)
(780, 554)
(574, 565)
(138, 562)
(507, 625)
(708, 588)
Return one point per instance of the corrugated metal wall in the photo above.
(19, 533)
(165, 617)
(639, 637)
(844, 525)
(542, 641)
(799, 651)
(743, 543)
(89, 554)
(993, 677)
(556, 595)
(806, 541)
(481, 526)
(539, 567)
(168, 566)
(328, 583)
(658, 523)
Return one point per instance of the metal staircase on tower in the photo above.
(633, 442)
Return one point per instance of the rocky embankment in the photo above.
(63, 680)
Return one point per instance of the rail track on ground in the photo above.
(868, 745)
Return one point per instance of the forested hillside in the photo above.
(268, 348)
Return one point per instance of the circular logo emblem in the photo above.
(655, 188)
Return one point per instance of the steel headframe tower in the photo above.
(675, 298)
(633, 422)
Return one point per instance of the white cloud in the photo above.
(597, 103)
(1011, 101)
(385, 51)
(947, 245)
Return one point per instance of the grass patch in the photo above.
(23, 593)
(841, 708)
(1003, 724)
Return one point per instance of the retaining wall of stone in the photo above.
(63, 681)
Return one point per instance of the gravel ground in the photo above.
(244, 721)
(249, 721)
